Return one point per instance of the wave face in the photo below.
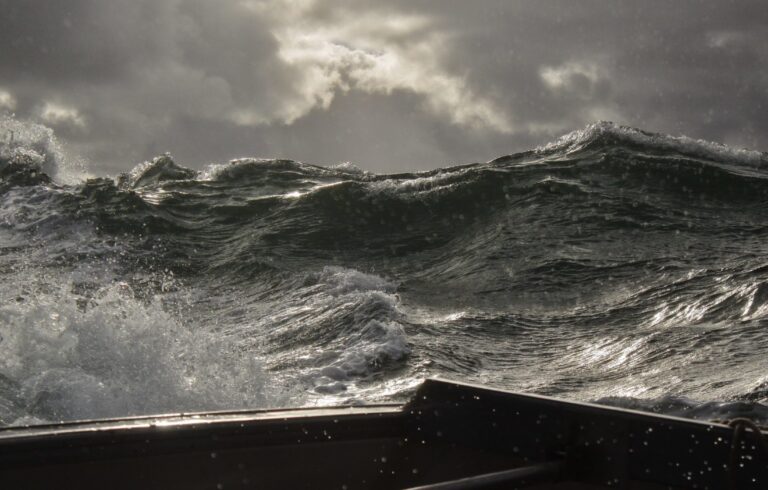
(613, 265)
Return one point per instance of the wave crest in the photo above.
(605, 134)
(36, 145)
(159, 169)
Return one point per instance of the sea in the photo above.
(612, 265)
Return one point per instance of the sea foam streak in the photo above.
(613, 264)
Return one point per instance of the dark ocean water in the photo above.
(612, 265)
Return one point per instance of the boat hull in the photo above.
(448, 434)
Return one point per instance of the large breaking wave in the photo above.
(613, 264)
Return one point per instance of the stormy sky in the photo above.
(389, 86)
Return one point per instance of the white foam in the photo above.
(117, 357)
(369, 335)
(377, 344)
(577, 140)
(341, 280)
(350, 168)
(219, 171)
(376, 341)
(420, 184)
(40, 146)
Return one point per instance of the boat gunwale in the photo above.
(11, 434)
(580, 406)
(417, 402)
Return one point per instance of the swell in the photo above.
(571, 210)
(633, 181)
(613, 264)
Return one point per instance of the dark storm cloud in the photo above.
(670, 66)
(395, 86)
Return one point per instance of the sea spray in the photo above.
(613, 264)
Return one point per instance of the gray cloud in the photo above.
(391, 87)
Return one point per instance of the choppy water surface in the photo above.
(612, 265)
